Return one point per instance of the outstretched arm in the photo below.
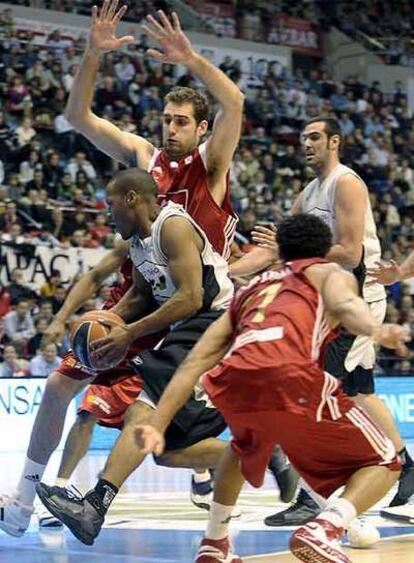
(129, 149)
(177, 48)
(340, 296)
(84, 289)
(208, 351)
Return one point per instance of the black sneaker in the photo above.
(302, 511)
(405, 487)
(286, 477)
(202, 493)
(80, 514)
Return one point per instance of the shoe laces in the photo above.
(71, 492)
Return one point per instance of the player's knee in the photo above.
(85, 420)
(137, 413)
(59, 387)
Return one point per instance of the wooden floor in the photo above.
(395, 550)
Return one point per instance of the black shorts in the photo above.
(195, 421)
(359, 380)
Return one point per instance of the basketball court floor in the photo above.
(153, 521)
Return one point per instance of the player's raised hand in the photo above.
(265, 237)
(176, 47)
(149, 439)
(102, 33)
(386, 274)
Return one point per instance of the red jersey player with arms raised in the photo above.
(192, 174)
(269, 346)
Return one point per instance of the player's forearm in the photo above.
(252, 262)
(218, 84)
(355, 315)
(177, 308)
(346, 256)
(83, 290)
(82, 91)
(132, 306)
(206, 354)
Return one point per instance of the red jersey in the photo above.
(120, 290)
(280, 330)
(185, 182)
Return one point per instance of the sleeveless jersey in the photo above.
(149, 259)
(318, 198)
(279, 320)
(280, 330)
(185, 182)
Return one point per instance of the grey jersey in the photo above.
(318, 198)
(149, 259)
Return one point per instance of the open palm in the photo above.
(175, 44)
(103, 28)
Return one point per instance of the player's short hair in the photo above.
(133, 179)
(184, 95)
(332, 127)
(303, 236)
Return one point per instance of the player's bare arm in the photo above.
(209, 350)
(127, 148)
(182, 249)
(177, 48)
(137, 301)
(84, 289)
(350, 210)
(340, 295)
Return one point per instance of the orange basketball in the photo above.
(92, 326)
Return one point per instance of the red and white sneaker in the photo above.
(318, 542)
(216, 551)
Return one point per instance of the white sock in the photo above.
(31, 475)
(339, 512)
(202, 477)
(61, 482)
(218, 523)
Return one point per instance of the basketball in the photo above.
(90, 327)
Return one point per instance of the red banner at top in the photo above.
(301, 35)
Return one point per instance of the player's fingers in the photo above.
(176, 21)
(150, 32)
(126, 40)
(99, 344)
(104, 9)
(166, 22)
(112, 9)
(156, 54)
(94, 14)
(118, 16)
(159, 448)
(158, 27)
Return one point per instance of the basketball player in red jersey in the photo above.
(269, 345)
(191, 172)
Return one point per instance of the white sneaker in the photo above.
(47, 520)
(362, 535)
(14, 516)
(403, 513)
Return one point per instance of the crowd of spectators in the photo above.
(52, 180)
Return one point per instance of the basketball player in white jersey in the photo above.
(340, 198)
(176, 266)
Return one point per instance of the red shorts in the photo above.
(326, 445)
(109, 404)
(72, 368)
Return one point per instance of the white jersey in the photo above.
(149, 259)
(318, 198)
